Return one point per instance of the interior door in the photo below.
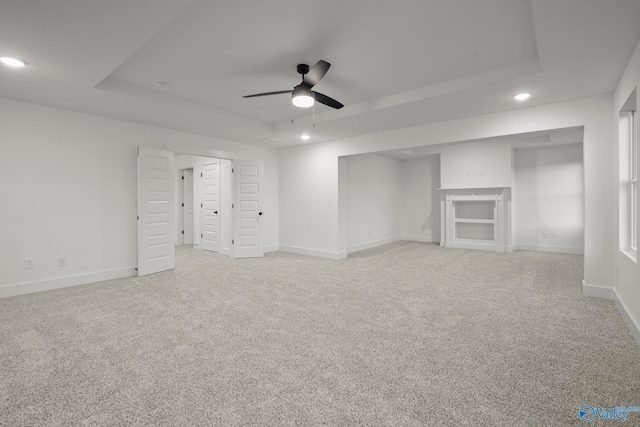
(248, 209)
(156, 211)
(210, 240)
(188, 223)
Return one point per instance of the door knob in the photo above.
(215, 212)
(259, 213)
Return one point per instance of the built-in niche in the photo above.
(477, 219)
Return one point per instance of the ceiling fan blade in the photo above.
(316, 73)
(324, 99)
(267, 93)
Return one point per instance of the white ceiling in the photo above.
(394, 64)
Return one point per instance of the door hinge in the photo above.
(233, 242)
(201, 236)
(183, 177)
(232, 170)
(233, 205)
(138, 218)
(201, 205)
(182, 231)
(183, 205)
(201, 174)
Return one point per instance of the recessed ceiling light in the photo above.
(521, 96)
(305, 137)
(12, 61)
(160, 84)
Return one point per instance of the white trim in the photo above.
(64, 282)
(549, 248)
(632, 323)
(224, 251)
(369, 245)
(468, 244)
(424, 239)
(596, 291)
(313, 252)
(271, 248)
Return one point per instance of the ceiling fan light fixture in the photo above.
(12, 61)
(302, 97)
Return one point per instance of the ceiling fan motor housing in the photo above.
(303, 69)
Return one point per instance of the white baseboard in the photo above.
(271, 248)
(375, 244)
(313, 252)
(596, 291)
(425, 239)
(474, 246)
(549, 248)
(64, 282)
(610, 294)
(632, 323)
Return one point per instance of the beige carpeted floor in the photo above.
(407, 334)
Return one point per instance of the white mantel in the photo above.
(476, 218)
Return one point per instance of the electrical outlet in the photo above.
(543, 234)
(286, 236)
(62, 262)
(29, 263)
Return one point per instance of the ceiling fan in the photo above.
(302, 95)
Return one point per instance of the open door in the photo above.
(188, 207)
(210, 240)
(247, 210)
(156, 211)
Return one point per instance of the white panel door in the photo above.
(247, 209)
(210, 240)
(156, 211)
(188, 223)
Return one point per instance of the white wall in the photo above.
(309, 214)
(421, 199)
(311, 199)
(549, 198)
(627, 283)
(374, 201)
(68, 185)
(476, 165)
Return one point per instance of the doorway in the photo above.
(160, 208)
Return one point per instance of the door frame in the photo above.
(178, 150)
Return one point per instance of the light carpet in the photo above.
(408, 334)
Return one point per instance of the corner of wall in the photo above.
(632, 323)
(598, 291)
(610, 294)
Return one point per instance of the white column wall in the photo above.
(627, 272)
